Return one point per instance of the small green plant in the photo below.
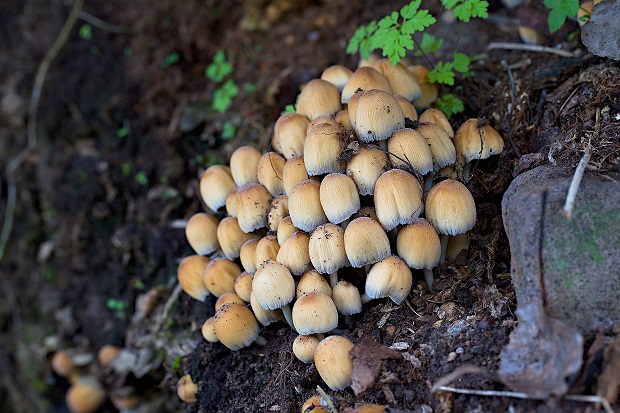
(171, 59)
(141, 178)
(217, 71)
(559, 10)
(86, 31)
(118, 306)
(223, 96)
(394, 36)
(219, 68)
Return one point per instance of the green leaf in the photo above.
(228, 130)
(289, 109)
(471, 8)
(408, 11)
(449, 104)
(461, 62)
(556, 20)
(222, 97)
(219, 67)
(428, 45)
(442, 73)
(449, 4)
(559, 10)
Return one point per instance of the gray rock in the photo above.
(580, 256)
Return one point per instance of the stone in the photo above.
(579, 281)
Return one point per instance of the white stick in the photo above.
(574, 185)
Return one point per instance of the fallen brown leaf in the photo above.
(368, 356)
(609, 380)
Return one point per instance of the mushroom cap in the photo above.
(186, 389)
(247, 255)
(312, 280)
(318, 98)
(219, 276)
(347, 298)
(365, 242)
(418, 245)
(304, 205)
(364, 78)
(285, 229)
(277, 211)
(266, 249)
(352, 107)
(398, 198)
(107, 353)
(314, 313)
(294, 172)
(231, 204)
(313, 404)
(365, 167)
(476, 139)
(294, 252)
(243, 286)
(430, 91)
(407, 107)
(265, 317)
(253, 201)
(62, 363)
(215, 185)
(201, 233)
(235, 326)
(339, 197)
(377, 116)
(408, 149)
(333, 362)
(337, 75)
(227, 298)
(289, 134)
(390, 277)
(322, 149)
(85, 396)
(450, 208)
(190, 278)
(439, 118)
(269, 172)
(401, 81)
(304, 346)
(344, 119)
(326, 248)
(244, 164)
(441, 145)
(208, 332)
(273, 285)
(231, 237)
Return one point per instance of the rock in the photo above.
(580, 256)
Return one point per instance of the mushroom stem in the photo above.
(367, 268)
(444, 246)
(428, 182)
(260, 340)
(429, 277)
(320, 336)
(383, 145)
(365, 298)
(333, 279)
(466, 171)
(348, 320)
(286, 311)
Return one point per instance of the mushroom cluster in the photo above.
(354, 184)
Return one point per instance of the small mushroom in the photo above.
(186, 389)
(189, 275)
(235, 326)
(201, 233)
(215, 185)
(333, 362)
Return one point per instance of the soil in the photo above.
(125, 130)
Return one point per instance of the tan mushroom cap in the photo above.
(313, 404)
(450, 208)
(337, 75)
(430, 91)
(442, 148)
(312, 280)
(390, 277)
(231, 237)
(366, 166)
(344, 119)
(327, 248)
(266, 249)
(339, 197)
(227, 298)
(333, 362)
(247, 255)
(235, 326)
(377, 116)
(365, 242)
(190, 278)
(408, 149)
(407, 107)
(231, 204)
(364, 78)
(269, 172)
(304, 204)
(219, 276)
(476, 139)
(294, 172)
(265, 317)
(418, 245)
(215, 185)
(439, 118)
(352, 107)
(314, 313)
(186, 389)
(304, 346)
(322, 149)
(244, 164)
(62, 363)
(294, 252)
(85, 396)
(347, 298)
(401, 81)
(285, 229)
(107, 353)
(289, 134)
(243, 286)
(277, 211)
(273, 285)
(201, 233)
(331, 120)
(318, 98)
(208, 332)
(398, 198)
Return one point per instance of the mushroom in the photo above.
(398, 198)
(247, 255)
(269, 172)
(85, 396)
(289, 134)
(451, 210)
(364, 78)
(337, 75)
(312, 280)
(304, 204)
(339, 197)
(277, 211)
(244, 164)
(314, 313)
(365, 242)
(253, 202)
(347, 298)
(327, 250)
(190, 278)
(62, 363)
(476, 139)
(401, 81)
(377, 116)
(265, 317)
(285, 229)
(419, 246)
(107, 353)
(219, 276)
(333, 362)
(430, 91)
(344, 119)
(231, 237)
(304, 346)
(293, 172)
(366, 166)
(313, 405)
(243, 286)
(408, 110)
(231, 204)
(236, 327)
(318, 98)
(208, 332)
(226, 298)
(390, 277)
(201, 233)
(322, 149)
(438, 118)
(215, 185)
(274, 287)
(266, 249)
(408, 149)
(186, 389)
(294, 252)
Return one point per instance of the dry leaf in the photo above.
(368, 356)
(609, 380)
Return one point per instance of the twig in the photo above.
(328, 400)
(102, 24)
(574, 185)
(33, 109)
(529, 48)
(512, 103)
(518, 395)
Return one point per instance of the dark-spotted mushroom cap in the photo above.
(253, 202)
(322, 149)
(407, 148)
(304, 346)
(364, 78)
(377, 116)
(441, 145)
(366, 166)
(235, 326)
(332, 361)
(476, 139)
